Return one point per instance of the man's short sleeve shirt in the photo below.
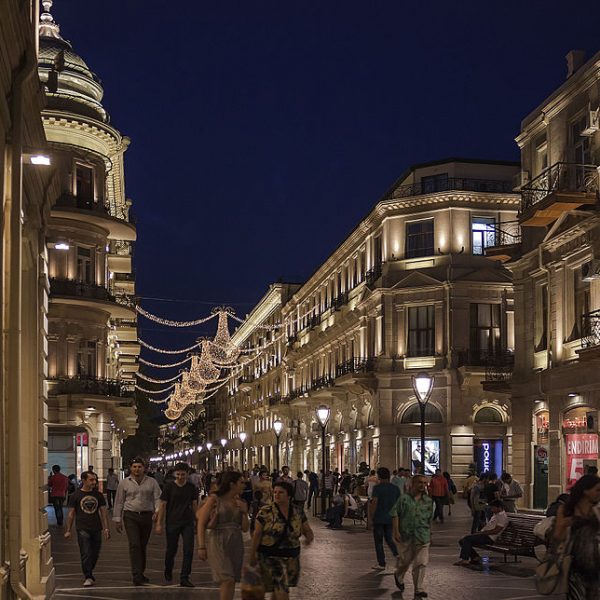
(414, 518)
(87, 509)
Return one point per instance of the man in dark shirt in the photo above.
(58, 485)
(385, 495)
(87, 507)
(179, 501)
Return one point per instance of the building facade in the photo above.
(410, 290)
(556, 384)
(26, 567)
(92, 329)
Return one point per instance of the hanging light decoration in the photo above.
(206, 371)
(222, 350)
(195, 381)
(172, 414)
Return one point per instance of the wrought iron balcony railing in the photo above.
(503, 234)
(590, 329)
(340, 301)
(322, 382)
(499, 367)
(90, 385)
(98, 207)
(372, 275)
(560, 177)
(467, 184)
(354, 365)
(478, 358)
(70, 287)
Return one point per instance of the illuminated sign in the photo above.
(581, 447)
(487, 454)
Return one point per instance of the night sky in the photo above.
(263, 131)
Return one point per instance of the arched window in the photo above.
(413, 414)
(488, 415)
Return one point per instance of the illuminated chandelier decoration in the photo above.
(194, 380)
(222, 350)
(205, 370)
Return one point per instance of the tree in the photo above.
(144, 443)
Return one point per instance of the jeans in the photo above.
(186, 531)
(138, 527)
(57, 503)
(312, 491)
(478, 520)
(467, 543)
(438, 513)
(381, 531)
(89, 549)
(110, 497)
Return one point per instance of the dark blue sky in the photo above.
(263, 131)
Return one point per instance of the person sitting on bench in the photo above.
(497, 524)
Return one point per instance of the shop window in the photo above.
(483, 234)
(421, 330)
(488, 415)
(419, 239)
(412, 415)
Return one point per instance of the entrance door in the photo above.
(540, 477)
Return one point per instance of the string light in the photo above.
(169, 366)
(151, 380)
(206, 371)
(137, 387)
(155, 349)
(170, 322)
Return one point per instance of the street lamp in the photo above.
(223, 443)
(422, 386)
(277, 428)
(323, 417)
(208, 447)
(243, 436)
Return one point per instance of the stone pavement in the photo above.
(336, 567)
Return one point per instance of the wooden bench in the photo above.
(360, 514)
(518, 538)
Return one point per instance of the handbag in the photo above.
(552, 575)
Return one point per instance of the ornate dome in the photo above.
(77, 88)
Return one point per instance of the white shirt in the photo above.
(498, 520)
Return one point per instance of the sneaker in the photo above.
(399, 583)
(185, 582)
(89, 582)
(378, 567)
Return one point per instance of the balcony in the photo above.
(467, 184)
(354, 365)
(322, 383)
(339, 301)
(498, 372)
(504, 241)
(79, 293)
(590, 336)
(560, 188)
(89, 386)
(372, 275)
(118, 227)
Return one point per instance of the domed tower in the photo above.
(92, 342)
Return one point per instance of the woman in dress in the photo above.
(581, 514)
(276, 541)
(221, 520)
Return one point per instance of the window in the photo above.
(580, 150)
(413, 414)
(421, 331)
(483, 234)
(488, 415)
(85, 271)
(485, 330)
(541, 319)
(419, 239)
(84, 183)
(377, 258)
(581, 301)
(434, 183)
(86, 359)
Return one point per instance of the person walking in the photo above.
(313, 486)
(221, 521)
(478, 503)
(276, 542)
(87, 507)
(285, 475)
(136, 503)
(451, 491)
(300, 490)
(411, 524)
(179, 502)
(112, 484)
(488, 534)
(581, 514)
(438, 490)
(510, 492)
(384, 497)
(58, 485)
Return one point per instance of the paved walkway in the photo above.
(336, 567)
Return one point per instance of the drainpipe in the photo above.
(13, 209)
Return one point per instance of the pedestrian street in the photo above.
(336, 567)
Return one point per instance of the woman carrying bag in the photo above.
(276, 541)
(577, 530)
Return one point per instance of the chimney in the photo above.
(575, 58)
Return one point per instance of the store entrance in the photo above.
(540, 477)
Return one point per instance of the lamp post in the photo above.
(223, 444)
(277, 428)
(422, 386)
(323, 417)
(208, 447)
(243, 436)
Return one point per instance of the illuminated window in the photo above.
(86, 359)
(419, 238)
(485, 330)
(85, 265)
(421, 330)
(84, 183)
(483, 234)
(488, 415)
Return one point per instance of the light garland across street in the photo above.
(161, 351)
(172, 323)
(151, 380)
(168, 366)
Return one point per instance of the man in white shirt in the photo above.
(496, 525)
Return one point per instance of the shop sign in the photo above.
(575, 423)
(580, 447)
(488, 456)
(82, 439)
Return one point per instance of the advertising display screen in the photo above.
(432, 456)
(487, 455)
(580, 447)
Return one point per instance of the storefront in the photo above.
(541, 452)
(69, 449)
(580, 436)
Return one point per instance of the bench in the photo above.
(518, 538)
(360, 513)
